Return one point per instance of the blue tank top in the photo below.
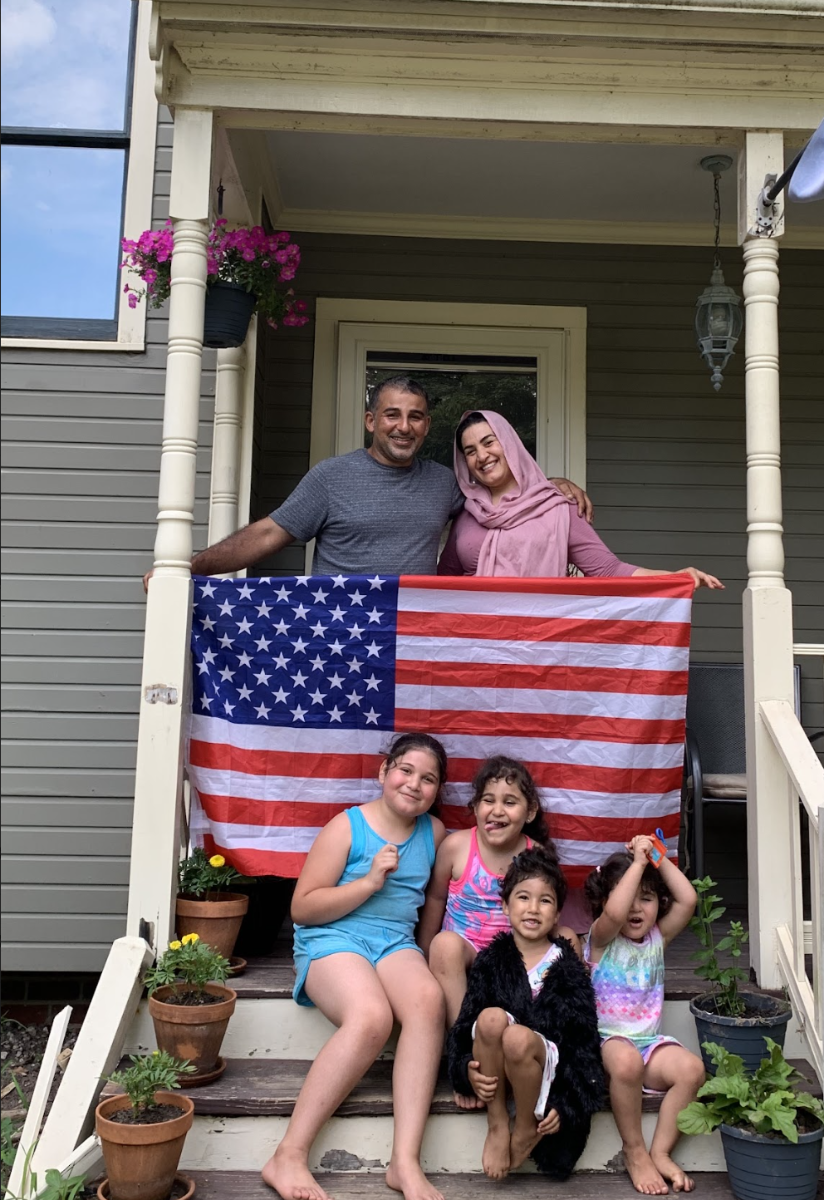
(396, 904)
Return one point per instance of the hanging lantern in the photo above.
(718, 316)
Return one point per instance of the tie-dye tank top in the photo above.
(629, 988)
(473, 904)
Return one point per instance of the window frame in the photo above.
(126, 330)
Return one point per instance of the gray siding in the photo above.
(666, 454)
(81, 436)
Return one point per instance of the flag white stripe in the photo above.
(537, 604)
(544, 654)
(339, 741)
(547, 701)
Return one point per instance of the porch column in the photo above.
(229, 395)
(768, 632)
(165, 682)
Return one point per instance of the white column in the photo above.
(165, 683)
(768, 634)
(229, 397)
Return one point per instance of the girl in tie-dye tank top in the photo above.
(463, 910)
(638, 910)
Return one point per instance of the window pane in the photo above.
(513, 393)
(61, 231)
(65, 63)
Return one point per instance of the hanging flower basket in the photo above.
(229, 309)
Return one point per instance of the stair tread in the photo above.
(584, 1185)
(268, 1087)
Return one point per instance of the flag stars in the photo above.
(317, 697)
(299, 680)
(263, 643)
(206, 702)
(302, 580)
(281, 662)
(262, 712)
(262, 677)
(209, 656)
(319, 630)
(374, 616)
(207, 623)
(228, 708)
(300, 645)
(244, 693)
(208, 589)
(300, 612)
(320, 596)
(225, 642)
(299, 714)
(245, 592)
(227, 673)
(354, 698)
(317, 664)
(336, 613)
(282, 628)
(264, 609)
(336, 680)
(373, 650)
(226, 609)
(372, 683)
(244, 660)
(203, 668)
(376, 582)
(355, 666)
(244, 626)
(371, 717)
(355, 632)
(283, 594)
(280, 696)
(339, 581)
(336, 647)
(336, 713)
(356, 598)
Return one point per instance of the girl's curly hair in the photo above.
(500, 766)
(535, 864)
(603, 880)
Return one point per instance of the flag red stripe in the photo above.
(577, 777)
(283, 863)
(668, 587)
(535, 676)
(497, 627)
(547, 725)
(273, 814)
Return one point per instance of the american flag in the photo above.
(300, 683)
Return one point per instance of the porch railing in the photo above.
(800, 939)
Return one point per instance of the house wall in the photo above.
(81, 433)
(665, 453)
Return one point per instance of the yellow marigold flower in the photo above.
(175, 945)
(190, 937)
(155, 1052)
(217, 860)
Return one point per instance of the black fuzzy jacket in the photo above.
(564, 1012)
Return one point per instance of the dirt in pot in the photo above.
(150, 1116)
(757, 1009)
(194, 999)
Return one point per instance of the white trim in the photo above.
(247, 430)
(137, 204)
(521, 229)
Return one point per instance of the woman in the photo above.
(515, 522)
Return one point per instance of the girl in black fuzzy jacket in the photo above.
(528, 1027)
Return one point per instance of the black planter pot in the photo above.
(742, 1035)
(771, 1168)
(229, 309)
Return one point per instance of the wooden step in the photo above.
(585, 1185)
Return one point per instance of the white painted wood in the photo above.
(247, 430)
(166, 660)
(20, 1180)
(798, 756)
(226, 447)
(763, 155)
(802, 996)
(96, 1051)
(86, 1160)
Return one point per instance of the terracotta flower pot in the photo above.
(186, 1188)
(141, 1160)
(216, 922)
(194, 1032)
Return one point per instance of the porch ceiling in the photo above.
(454, 187)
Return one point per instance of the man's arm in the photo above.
(238, 550)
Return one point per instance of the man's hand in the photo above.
(484, 1086)
(577, 494)
(146, 579)
(550, 1124)
(700, 578)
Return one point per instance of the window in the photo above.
(66, 118)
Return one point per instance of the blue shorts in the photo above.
(319, 941)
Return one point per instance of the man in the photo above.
(376, 511)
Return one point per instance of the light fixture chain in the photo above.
(716, 180)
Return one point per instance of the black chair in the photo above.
(715, 763)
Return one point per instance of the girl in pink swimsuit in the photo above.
(463, 912)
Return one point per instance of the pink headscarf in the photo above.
(528, 528)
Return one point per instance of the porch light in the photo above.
(718, 316)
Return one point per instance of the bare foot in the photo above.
(288, 1173)
(410, 1179)
(495, 1158)
(467, 1101)
(522, 1143)
(643, 1172)
(681, 1182)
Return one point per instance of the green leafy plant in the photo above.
(150, 1073)
(190, 962)
(724, 980)
(201, 876)
(766, 1101)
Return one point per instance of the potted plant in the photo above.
(246, 270)
(738, 1020)
(189, 1007)
(205, 905)
(771, 1132)
(142, 1132)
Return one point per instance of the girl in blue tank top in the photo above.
(355, 909)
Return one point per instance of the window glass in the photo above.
(65, 63)
(60, 231)
(505, 385)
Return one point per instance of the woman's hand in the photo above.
(383, 864)
(484, 1086)
(577, 495)
(700, 578)
(550, 1124)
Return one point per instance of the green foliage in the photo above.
(58, 1188)
(724, 980)
(200, 876)
(8, 1129)
(191, 962)
(766, 1101)
(150, 1073)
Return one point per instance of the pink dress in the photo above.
(473, 905)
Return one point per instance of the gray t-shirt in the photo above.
(368, 518)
